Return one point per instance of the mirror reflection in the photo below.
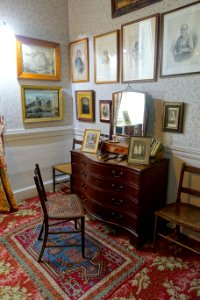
(129, 113)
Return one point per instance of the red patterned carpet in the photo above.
(112, 269)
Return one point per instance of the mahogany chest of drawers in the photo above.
(120, 193)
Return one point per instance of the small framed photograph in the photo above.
(41, 103)
(91, 140)
(105, 110)
(173, 116)
(37, 59)
(122, 7)
(181, 41)
(79, 60)
(85, 106)
(139, 50)
(139, 150)
(106, 57)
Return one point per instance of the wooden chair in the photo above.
(62, 172)
(57, 210)
(181, 214)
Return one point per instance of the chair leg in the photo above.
(155, 233)
(46, 228)
(54, 180)
(83, 235)
(41, 231)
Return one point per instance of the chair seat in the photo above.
(64, 168)
(64, 206)
(182, 214)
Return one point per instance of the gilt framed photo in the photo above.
(37, 59)
(139, 150)
(173, 116)
(122, 7)
(79, 60)
(85, 106)
(91, 140)
(105, 110)
(139, 50)
(181, 41)
(41, 103)
(106, 57)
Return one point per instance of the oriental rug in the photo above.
(112, 268)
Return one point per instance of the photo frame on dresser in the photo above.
(41, 103)
(106, 57)
(139, 150)
(181, 41)
(85, 105)
(173, 116)
(79, 60)
(37, 59)
(91, 140)
(139, 50)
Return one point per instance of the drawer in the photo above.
(112, 215)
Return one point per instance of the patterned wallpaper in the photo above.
(45, 20)
(93, 17)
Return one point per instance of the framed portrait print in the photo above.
(91, 140)
(41, 103)
(139, 50)
(105, 110)
(181, 41)
(122, 7)
(37, 59)
(139, 150)
(106, 57)
(79, 60)
(173, 116)
(85, 106)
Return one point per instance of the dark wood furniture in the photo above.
(119, 193)
(182, 214)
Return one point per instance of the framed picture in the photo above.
(37, 59)
(85, 106)
(173, 116)
(105, 110)
(139, 50)
(139, 150)
(91, 140)
(106, 57)
(41, 103)
(122, 7)
(79, 60)
(181, 41)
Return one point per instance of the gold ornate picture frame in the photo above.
(85, 105)
(37, 59)
(41, 103)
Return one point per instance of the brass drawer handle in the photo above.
(117, 202)
(117, 188)
(116, 216)
(115, 174)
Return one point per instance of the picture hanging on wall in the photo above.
(105, 110)
(37, 59)
(41, 103)
(122, 7)
(181, 41)
(85, 106)
(173, 116)
(79, 60)
(106, 57)
(139, 50)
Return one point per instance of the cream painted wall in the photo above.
(93, 17)
(48, 142)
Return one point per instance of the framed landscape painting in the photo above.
(37, 59)
(41, 103)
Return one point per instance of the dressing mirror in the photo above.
(129, 113)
